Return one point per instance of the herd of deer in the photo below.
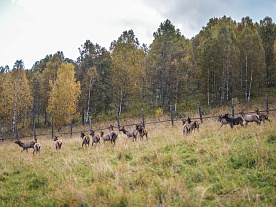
(140, 131)
(189, 126)
(257, 118)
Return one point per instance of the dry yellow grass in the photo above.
(211, 167)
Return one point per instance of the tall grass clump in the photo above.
(210, 167)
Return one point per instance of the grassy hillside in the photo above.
(212, 167)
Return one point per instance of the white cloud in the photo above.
(33, 29)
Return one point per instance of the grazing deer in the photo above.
(250, 118)
(130, 133)
(85, 140)
(58, 142)
(26, 145)
(95, 138)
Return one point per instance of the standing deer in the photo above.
(233, 121)
(107, 137)
(37, 147)
(193, 124)
(262, 117)
(130, 133)
(142, 131)
(26, 145)
(95, 138)
(222, 120)
(113, 134)
(85, 140)
(58, 142)
(250, 118)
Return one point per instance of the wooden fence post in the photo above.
(266, 98)
(3, 137)
(233, 109)
(171, 114)
(34, 131)
(143, 118)
(71, 127)
(200, 113)
(90, 123)
(82, 117)
(52, 126)
(117, 118)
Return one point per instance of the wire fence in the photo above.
(172, 119)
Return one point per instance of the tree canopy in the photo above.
(225, 60)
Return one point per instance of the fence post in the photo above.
(90, 123)
(266, 98)
(233, 108)
(52, 126)
(71, 127)
(34, 131)
(200, 113)
(13, 129)
(143, 118)
(171, 114)
(117, 118)
(3, 137)
(82, 117)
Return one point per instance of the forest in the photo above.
(225, 60)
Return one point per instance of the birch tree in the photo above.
(127, 68)
(267, 31)
(251, 57)
(63, 98)
(16, 99)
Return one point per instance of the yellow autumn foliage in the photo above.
(64, 95)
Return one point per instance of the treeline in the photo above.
(226, 59)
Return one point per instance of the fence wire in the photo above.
(172, 120)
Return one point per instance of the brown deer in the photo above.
(193, 124)
(222, 120)
(58, 142)
(142, 131)
(250, 118)
(37, 147)
(113, 134)
(233, 121)
(262, 117)
(85, 140)
(95, 138)
(26, 145)
(130, 133)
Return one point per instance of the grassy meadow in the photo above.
(211, 167)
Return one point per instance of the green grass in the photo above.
(212, 167)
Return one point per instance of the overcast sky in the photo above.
(32, 29)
